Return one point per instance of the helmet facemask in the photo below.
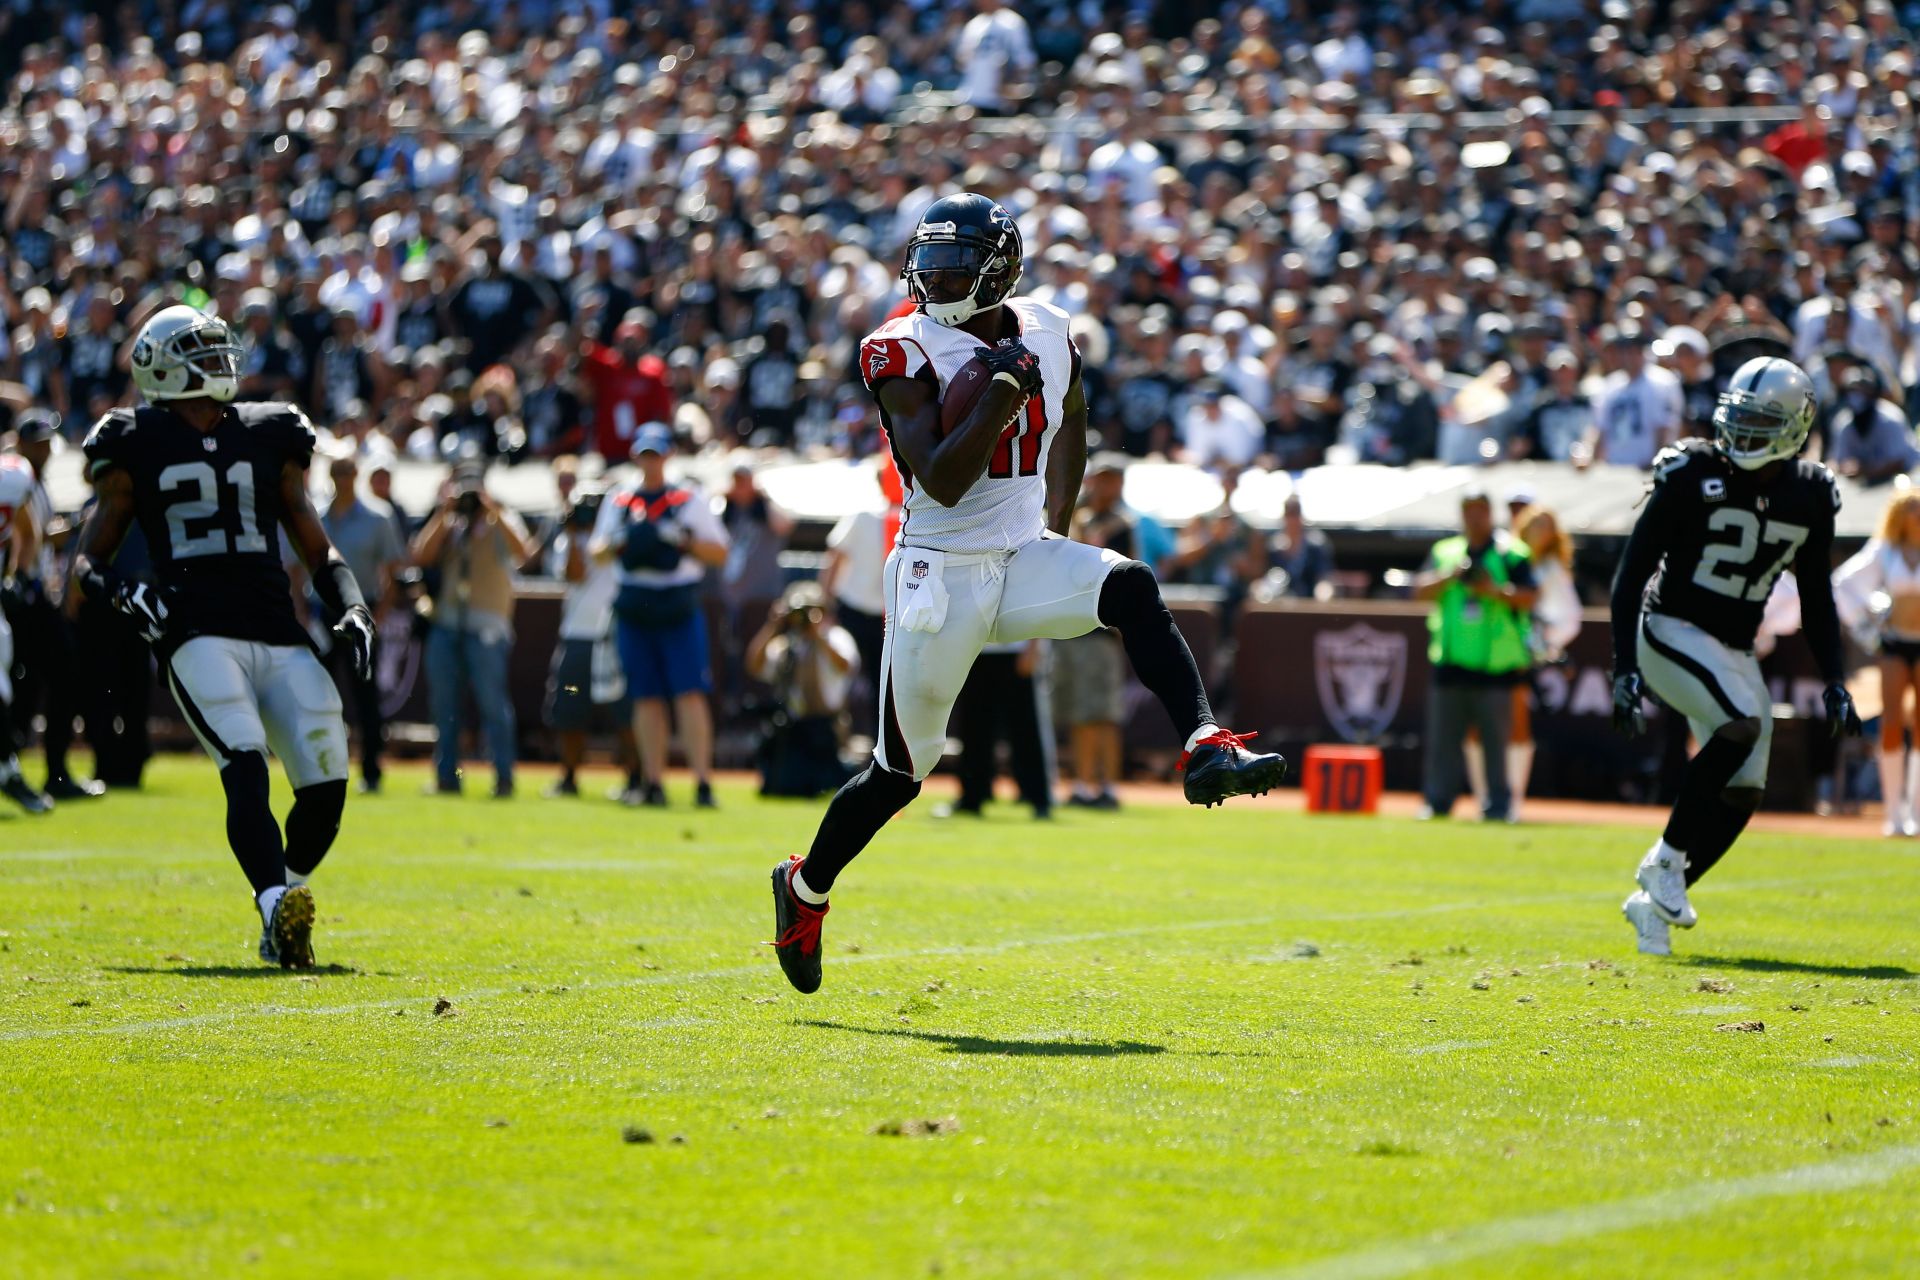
(202, 359)
(953, 280)
(1763, 423)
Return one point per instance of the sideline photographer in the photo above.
(1482, 585)
(810, 663)
(468, 551)
(663, 536)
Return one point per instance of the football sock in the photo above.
(1708, 774)
(1206, 730)
(1723, 824)
(267, 899)
(857, 813)
(251, 831)
(1130, 603)
(9, 768)
(312, 824)
(805, 892)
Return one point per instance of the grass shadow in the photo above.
(952, 1043)
(236, 970)
(1763, 964)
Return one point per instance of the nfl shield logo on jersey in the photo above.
(1361, 674)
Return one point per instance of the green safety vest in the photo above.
(1476, 634)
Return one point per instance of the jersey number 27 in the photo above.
(198, 478)
(1738, 569)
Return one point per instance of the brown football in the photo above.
(968, 385)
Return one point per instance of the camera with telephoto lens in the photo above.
(585, 511)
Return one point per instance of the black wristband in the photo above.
(336, 588)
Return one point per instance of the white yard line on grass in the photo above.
(734, 971)
(1450, 1249)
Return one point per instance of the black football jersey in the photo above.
(209, 505)
(1724, 538)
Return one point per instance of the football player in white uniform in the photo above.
(19, 544)
(982, 556)
(211, 483)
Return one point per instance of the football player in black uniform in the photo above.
(211, 482)
(1725, 518)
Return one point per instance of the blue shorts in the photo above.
(665, 662)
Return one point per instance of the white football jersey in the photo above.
(1007, 506)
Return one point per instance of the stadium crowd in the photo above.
(1286, 236)
(522, 232)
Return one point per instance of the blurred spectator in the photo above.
(809, 664)
(1685, 350)
(1220, 550)
(627, 385)
(495, 309)
(1004, 699)
(1391, 418)
(1219, 428)
(751, 579)
(994, 55)
(1560, 420)
(1481, 584)
(1637, 411)
(586, 688)
(663, 536)
(362, 530)
(854, 578)
(1301, 555)
(1090, 672)
(46, 680)
(470, 547)
(1868, 438)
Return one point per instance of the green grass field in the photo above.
(1163, 1043)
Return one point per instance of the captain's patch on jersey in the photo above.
(1713, 489)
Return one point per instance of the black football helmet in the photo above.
(964, 258)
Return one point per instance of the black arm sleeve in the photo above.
(336, 588)
(1813, 570)
(1645, 546)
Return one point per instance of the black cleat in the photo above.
(1220, 766)
(65, 788)
(653, 796)
(703, 797)
(18, 790)
(796, 925)
(292, 928)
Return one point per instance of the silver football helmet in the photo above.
(1765, 413)
(182, 352)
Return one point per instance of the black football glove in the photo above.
(1012, 358)
(144, 603)
(356, 628)
(1841, 716)
(1629, 717)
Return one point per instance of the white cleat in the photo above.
(1649, 927)
(1663, 874)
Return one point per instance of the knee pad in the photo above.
(1744, 732)
(313, 823)
(1129, 594)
